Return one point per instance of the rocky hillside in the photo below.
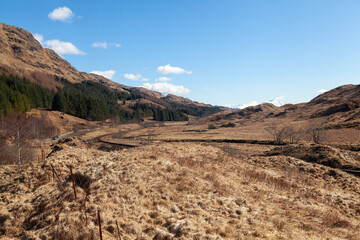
(24, 55)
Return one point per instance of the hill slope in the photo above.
(22, 55)
(339, 107)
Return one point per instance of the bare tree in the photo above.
(16, 130)
(115, 120)
(317, 133)
(16, 133)
(278, 133)
(294, 135)
(40, 128)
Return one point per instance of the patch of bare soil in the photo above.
(177, 191)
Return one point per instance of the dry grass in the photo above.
(178, 190)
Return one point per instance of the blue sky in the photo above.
(219, 52)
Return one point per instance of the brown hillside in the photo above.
(337, 108)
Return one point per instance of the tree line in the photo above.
(88, 100)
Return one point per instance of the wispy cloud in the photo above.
(168, 69)
(105, 45)
(108, 74)
(163, 79)
(135, 77)
(39, 38)
(63, 14)
(167, 88)
(63, 48)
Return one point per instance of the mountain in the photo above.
(337, 108)
(342, 99)
(23, 56)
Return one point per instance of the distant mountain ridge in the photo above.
(338, 108)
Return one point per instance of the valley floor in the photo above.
(179, 190)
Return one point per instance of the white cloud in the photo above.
(135, 77)
(277, 101)
(132, 77)
(105, 45)
(39, 38)
(63, 48)
(163, 79)
(321, 91)
(63, 14)
(166, 88)
(100, 45)
(108, 74)
(167, 69)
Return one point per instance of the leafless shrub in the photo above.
(115, 120)
(278, 133)
(294, 135)
(317, 133)
(19, 154)
(15, 133)
(41, 128)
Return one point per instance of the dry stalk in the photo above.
(99, 220)
(54, 172)
(43, 155)
(118, 229)
(86, 219)
(73, 181)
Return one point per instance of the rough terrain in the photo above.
(177, 190)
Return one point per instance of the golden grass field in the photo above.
(179, 190)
